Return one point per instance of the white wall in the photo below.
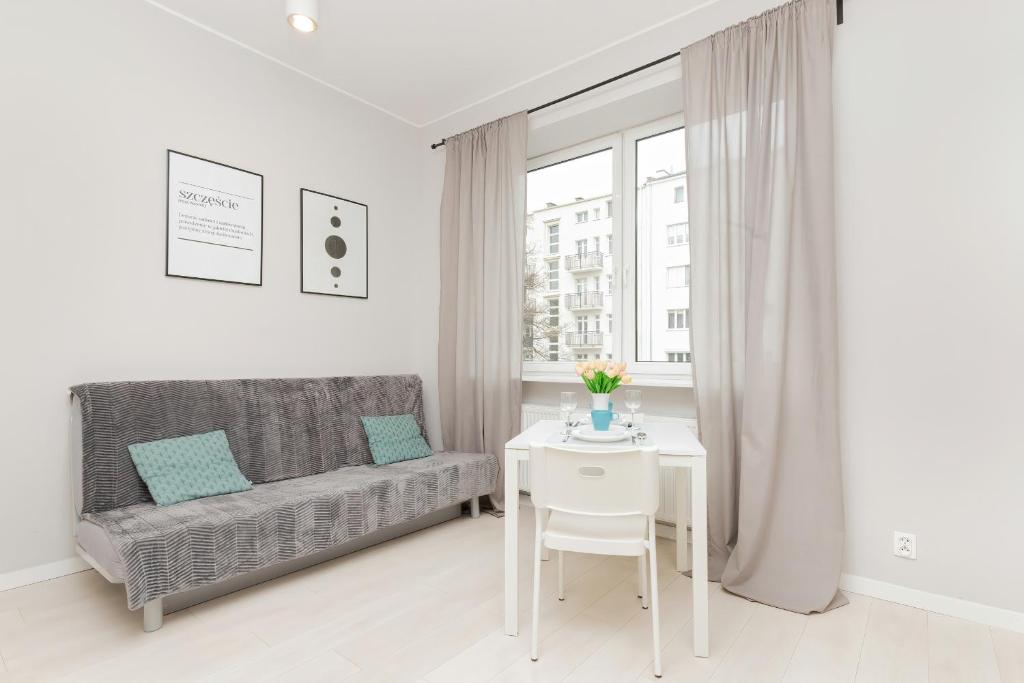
(931, 162)
(93, 93)
(930, 159)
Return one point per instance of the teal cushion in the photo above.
(188, 467)
(394, 438)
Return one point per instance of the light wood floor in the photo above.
(427, 607)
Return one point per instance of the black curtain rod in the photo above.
(648, 65)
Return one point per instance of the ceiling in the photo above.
(421, 60)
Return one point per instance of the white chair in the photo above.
(599, 502)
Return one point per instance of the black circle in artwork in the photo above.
(335, 221)
(335, 246)
(335, 208)
(335, 285)
(336, 271)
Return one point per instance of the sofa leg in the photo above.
(152, 615)
(474, 507)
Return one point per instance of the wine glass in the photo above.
(633, 403)
(567, 403)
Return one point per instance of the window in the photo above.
(553, 348)
(677, 276)
(678, 234)
(620, 281)
(680, 194)
(553, 276)
(679, 319)
(553, 310)
(553, 238)
(678, 356)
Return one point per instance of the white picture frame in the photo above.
(214, 221)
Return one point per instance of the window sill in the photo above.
(677, 381)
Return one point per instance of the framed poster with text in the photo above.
(214, 221)
(334, 245)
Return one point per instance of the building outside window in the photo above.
(678, 276)
(680, 194)
(553, 238)
(679, 319)
(678, 234)
(577, 184)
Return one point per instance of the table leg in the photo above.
(511, 544)
(682, 486)
(699, 480)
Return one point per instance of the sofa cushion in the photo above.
(394, 438)
(277, 428)
(188, 467)
(165, 550)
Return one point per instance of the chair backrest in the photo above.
(620, 482)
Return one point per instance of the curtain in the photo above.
(757, 99)
(483, 223)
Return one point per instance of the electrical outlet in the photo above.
(904, 545)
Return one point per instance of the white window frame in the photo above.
(553, 230)
(672, 240)
(623, 216)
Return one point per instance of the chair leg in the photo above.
(644, 594)
(474, 507)
(152, 615)
(561, 575)
(537, 543)
(656, 625)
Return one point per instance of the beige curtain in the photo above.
(483, 223)
(758, 108)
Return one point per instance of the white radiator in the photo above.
(667, 511)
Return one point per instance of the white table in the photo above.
(678, 447)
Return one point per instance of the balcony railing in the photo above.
(581, 301)
(584, 339)
(593, 260)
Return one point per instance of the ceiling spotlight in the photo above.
(303, 15)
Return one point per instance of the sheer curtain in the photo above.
(758, 108)
(483, 223)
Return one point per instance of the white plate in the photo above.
(588, 433)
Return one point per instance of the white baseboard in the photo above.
(933, 602)
(43, 572)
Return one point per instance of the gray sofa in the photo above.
(316, 492)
